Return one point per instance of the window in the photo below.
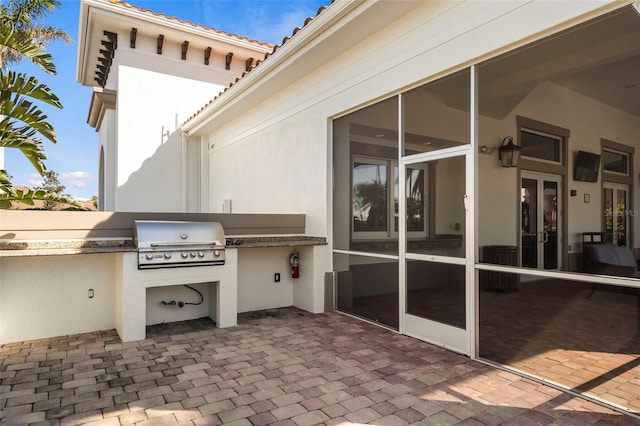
(371, 192)
(615, 162)
(370, 205)
(541, 146)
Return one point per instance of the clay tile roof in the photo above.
(284, 40)
(181, 21)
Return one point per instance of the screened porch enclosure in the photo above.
(556, 254)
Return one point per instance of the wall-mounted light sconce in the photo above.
(509, 153)
(484, 149)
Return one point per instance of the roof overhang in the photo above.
(344, 23)
(97, 16)
(101, 100)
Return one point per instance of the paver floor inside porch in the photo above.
(579, 336)
(278, 367)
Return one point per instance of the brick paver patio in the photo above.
(284, 367)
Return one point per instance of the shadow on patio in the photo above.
(281, 366)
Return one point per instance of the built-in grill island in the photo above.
(175, 253)
(173, 244)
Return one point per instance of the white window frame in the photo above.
(369, 235)
(392, 176)
(425, 208)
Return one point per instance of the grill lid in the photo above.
(166, 244)
(158, 234)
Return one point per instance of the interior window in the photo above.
(371, 190)
(615, 162)
(541, 146)
(370, 206)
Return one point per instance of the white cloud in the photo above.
(77, 179)
(34, 180)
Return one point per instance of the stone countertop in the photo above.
(274, 241)
(69, 247)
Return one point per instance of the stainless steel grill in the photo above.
(174, 244)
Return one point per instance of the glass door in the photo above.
(540, 211)
(615, 212)
(432, 199)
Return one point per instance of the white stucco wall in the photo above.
(48, 296)
(151, 105)
(108, 142)
(256, 286)
(274, 157)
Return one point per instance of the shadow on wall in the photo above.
(157, 185)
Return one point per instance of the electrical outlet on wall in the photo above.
(276, 277)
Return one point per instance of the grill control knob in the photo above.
(216, 253)
(200, 254)
(192, 254)
(184, 255)
(148, 256)
(167, 255)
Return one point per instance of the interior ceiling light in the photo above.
(380, 135)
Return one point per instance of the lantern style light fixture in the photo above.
(509, 153)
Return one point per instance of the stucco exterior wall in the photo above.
(150, 106)
(108, 142)
(48, 296)
(275, 156)
(256, 286)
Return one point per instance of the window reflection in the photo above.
(370, 208)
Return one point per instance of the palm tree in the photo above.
(371, 197)
(23, 16)
(21, 122)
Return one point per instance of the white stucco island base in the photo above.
(132, 284)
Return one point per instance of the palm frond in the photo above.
(5, 181)
(28, 47)
(24, 12)
(20, 84)
(22, 138)
(46, 34)
(28, 197)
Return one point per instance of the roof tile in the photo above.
(181, 21)
(284, 40)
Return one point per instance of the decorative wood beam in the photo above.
(228, 60)
(132, 37)
(185, 47)
(247, 64)
(207, 55)
(109, 45)
(105, 61)
(113, 38)
(160, 41)
(107, 53)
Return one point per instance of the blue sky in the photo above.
(75, 156)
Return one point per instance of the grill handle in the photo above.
(191, 244)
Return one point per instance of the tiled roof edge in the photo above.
(185, 22)
(276, 47)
